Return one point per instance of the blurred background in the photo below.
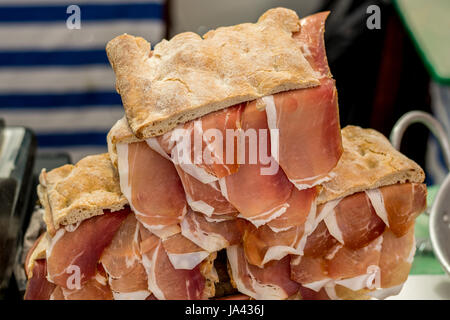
(56, 81)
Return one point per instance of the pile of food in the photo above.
(229, 177)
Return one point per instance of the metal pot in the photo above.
(440, 210)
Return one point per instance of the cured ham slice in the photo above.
(183, 253)
(319, 242)
(357, 269)
(164, 281)
(398, 205)
(205, 148)
(95, 289)
(211, 235)
(152, 186)
(397, 254)
(74, 251)
(259, 191)
(354, 222)
(204, 197)
(310, 272)
(122, 262)
(301, 205)
(308, 294)
(308, 163)
(271, 282)
(262, 244)
(38, 287)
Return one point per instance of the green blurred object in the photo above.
(428, 24)
(424, 260)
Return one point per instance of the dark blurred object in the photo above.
(379, 75)
(17, 153)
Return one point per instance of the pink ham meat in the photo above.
(262, 244)
(211, 235)
(204, 197)
(271, 282)
(79, 250)
(183, 253)
(122, 262)
(258, 197)
(397, 254)
(164, 281)
(38, 287)
(205, 140)
(301, 204)
(152, 187)
(354, 222)
(308, 115)
(399, 205)
(96, 288)
(319, 242)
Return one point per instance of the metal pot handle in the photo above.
(430, 122)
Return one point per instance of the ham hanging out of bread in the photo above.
(153, 188)
(38, 287)
(74, 251)
(257, 190)
(307, 115)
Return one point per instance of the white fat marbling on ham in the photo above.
(187, 261)
(377, 200)
(333, 227)
(148, 261)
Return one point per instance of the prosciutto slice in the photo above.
(319, 242)
(96, 288)
(204, 197)
(398, 205)
(262, 244)
(122, 262)
(259, 191)
(152, 186)
(211, 235)
(271, 282)
(397, 254)
(308, 115)
(75, 250)
(205, 148)
(164, 281)
(353, 222)
(38, 287)
(183, 253)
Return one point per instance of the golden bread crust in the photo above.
(190, 76)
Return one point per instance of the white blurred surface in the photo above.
(425, 287)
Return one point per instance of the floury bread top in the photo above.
(189, 76)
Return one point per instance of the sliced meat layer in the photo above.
(122, 261)
(319, 242)
(271, 282)
(260, 189)
(183, 253)
(301, 204)
(316, 109)
(204, 197)
(73, 255)
(95, 289)
(262, 244)
(354, 221)
(398, 205)
(152, 186)
(38, 287)
(397, 254)
(310, 116)
(210, 235)
(164, 281)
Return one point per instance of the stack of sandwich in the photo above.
(229, 177)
